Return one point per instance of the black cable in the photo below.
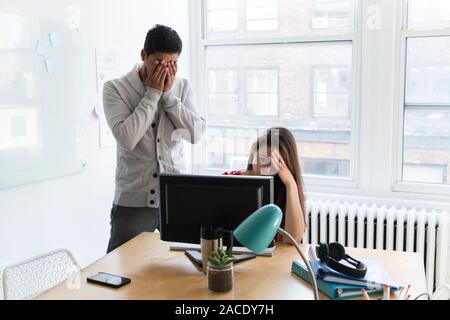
(423, 294)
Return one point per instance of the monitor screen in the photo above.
(190, 201)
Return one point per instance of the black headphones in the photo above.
(334, 252)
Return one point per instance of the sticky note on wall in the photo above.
(55, 39)
(49, 66)
(43, 48)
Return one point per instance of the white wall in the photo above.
(73, 212)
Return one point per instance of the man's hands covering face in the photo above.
(170, 76)
(160, 75)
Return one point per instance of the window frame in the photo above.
(197, 61)
(398, 184)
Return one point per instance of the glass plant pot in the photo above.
(220, 278)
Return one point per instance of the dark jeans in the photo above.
(127, 223)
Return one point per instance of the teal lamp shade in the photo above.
(258, 230)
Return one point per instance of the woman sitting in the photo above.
(275, 154)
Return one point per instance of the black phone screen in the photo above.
(109, 280)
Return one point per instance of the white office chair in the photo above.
(27, 279)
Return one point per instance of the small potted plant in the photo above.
(220, 271)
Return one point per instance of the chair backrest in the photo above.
(27, 279)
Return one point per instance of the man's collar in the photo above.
(135, 80)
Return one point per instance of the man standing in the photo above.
(149, 111)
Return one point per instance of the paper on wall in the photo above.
(107, 67)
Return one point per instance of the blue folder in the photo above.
(335, 291)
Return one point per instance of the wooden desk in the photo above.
(158, 273)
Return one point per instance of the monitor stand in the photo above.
(196, 258)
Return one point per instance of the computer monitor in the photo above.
(189, 201)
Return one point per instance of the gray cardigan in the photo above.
(148, 126)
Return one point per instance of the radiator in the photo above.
(385, 228)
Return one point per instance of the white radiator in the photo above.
(375, 227)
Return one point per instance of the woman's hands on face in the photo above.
(282, 169)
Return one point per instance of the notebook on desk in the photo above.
(236, 250)
(375, 278)
(335, 291)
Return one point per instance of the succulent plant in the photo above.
(221, 258)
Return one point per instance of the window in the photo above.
(426, 173)
(429, 14)
(302, 85)
(331, 167)
(333, 14)
(277, 18)
(262, 15)
(228, 147)
(331, 91)
(222, 92)
(262, 92)
(426, 137)
(222, 16)
(241, 92)
(300, 64)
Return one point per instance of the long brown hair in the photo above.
(282, 139)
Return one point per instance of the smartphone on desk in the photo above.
(109, 280)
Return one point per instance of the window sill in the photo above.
(324, 181)
(421, 188)
(309, 180)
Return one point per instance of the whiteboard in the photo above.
(40, 99)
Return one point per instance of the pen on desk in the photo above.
(366, 296)
(399, 293)
(406, 292)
